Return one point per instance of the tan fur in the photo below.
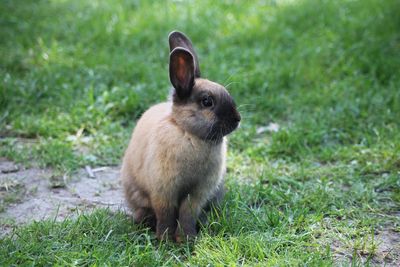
(162, 158)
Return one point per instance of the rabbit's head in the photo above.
(201, 107)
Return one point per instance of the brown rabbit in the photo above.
(175, 161)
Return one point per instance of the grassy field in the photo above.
(75, 75)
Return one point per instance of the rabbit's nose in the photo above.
(237, 117)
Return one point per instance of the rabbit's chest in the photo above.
(194, 165)
(199, 163)
(199, 172)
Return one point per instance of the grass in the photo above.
(11, 191)
(75, 75)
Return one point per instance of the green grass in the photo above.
(11, 191)
(75, 75)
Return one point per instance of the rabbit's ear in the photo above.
(178, 39)
(181, 71)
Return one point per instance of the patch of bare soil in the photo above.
(36, 194)
(388, 251)
(381, 249)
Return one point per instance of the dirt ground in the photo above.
(37, 194)
(387, 251)
(28, 194)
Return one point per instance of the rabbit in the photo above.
(175, 161)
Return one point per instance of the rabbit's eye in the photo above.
(207, 101)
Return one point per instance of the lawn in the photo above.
(76, 75)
